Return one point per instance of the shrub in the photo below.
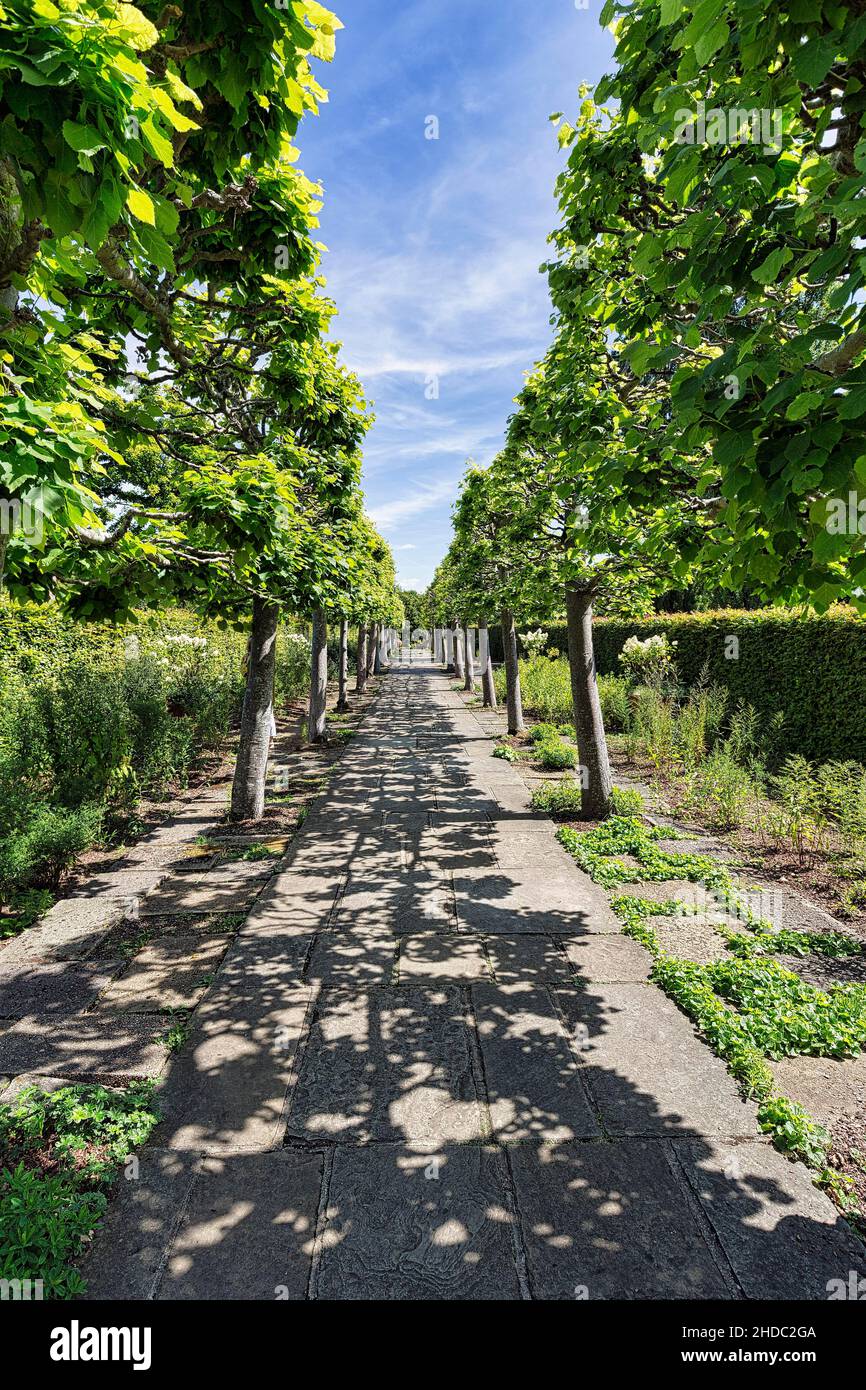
(543, 733)
(614, 696)
(557, 755)
(37, 856)
(810, 669)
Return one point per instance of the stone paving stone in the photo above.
(225, 1092)
(827, 1087)
(522, 963)
(529, 845)
(647, 1070)
(46, 1084)
(296, 899)
(610, 1221)
(390, 1064)
(394, 1232)
(353, 957)
(430, 957)
(609, 958)
(452, 847)
(556, 901)
(531, 1072)
(70, 935)
(128, 1251)
(783, 1238)
(51, 991)
(84, 1046)
(227, 889)
(169, 974)
(121, 883)
(247, 1230)
(408, 902)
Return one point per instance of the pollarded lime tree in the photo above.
(713, 226)
(133, 144)
(153, 199)
(581, 418)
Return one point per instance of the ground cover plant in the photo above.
(746, 1005)
(60, 1152)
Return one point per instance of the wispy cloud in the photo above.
(390, 514)
(436, 244)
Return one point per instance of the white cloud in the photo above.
(401, 509)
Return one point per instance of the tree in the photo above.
(713, 224)
(190, 233)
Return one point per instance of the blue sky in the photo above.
(434, 245)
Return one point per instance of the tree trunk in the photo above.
(372, 648)
(488, 684)
(342, 701)
(248, 787)
(377, 655)
(591, 741)
(469, 681)
(459, 663)
(361, 677)
(448, 646)
(318, 678)
(513, 698)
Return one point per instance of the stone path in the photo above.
(430, 1066)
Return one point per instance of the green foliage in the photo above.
(555, 755)
(506, 753)
(58, 1154)
(811, 670)
(38, 854)
(562, 800)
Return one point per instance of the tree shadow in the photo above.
(340, 1127)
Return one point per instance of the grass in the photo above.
(59, 1154)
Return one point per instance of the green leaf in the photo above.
(803, 405)
(140, 204)
(86, 139)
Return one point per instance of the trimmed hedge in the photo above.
(812, 669)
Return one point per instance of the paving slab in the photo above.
(609, 958)
(69, 936)
(450, 848)
(51, 991)
(783, 1238)
(388, 1064)
(227, 889)
(407, 902)
(645, 1067)
(83, 1047)
(353, 957)
(126, 1257)
(225, 1092)
(402, 1225)
(427, 956)
(611, 1221)
(172, 973)
(523, 963)
(827, 1087)
(247, 1229)
(555, 902)
(295, 898)
(534, 1083)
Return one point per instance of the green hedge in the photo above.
(813, 669)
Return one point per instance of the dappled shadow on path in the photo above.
(358, 1117)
